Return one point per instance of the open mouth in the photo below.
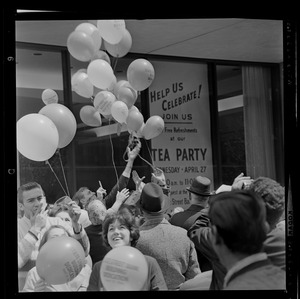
(117, 239)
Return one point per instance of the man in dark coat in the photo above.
(199, 194)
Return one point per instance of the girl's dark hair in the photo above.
(126, 218)
(240, 219)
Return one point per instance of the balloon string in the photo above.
(61, 165)
(115, 64)
(152, 165)
(112, 158)
(47, 162)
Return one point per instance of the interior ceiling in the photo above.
(253, 40)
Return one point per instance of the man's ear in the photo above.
(217, 239)
(20, 206)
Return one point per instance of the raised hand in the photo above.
(38, 218)
(132, 154)
(240, 181)
(137, 180)
(74, 211)
(158, 177)
(122, 195)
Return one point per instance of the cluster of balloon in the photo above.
(60, 260)
(124, 268)
(111, 98)
(40, 134)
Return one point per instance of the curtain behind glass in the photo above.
(258, 122)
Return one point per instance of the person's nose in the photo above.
(116, 231)
(37, 203)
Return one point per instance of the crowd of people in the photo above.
(229, 239)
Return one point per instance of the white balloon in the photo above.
(49, 96)
(90, 116)
(103, 102)
(101, 55)
(101, 74)
(82, 85)
(153, 127)
(119, 111)
(111, 30)
(37, 137)
(122, 47)
(93, 32)
(140, 74)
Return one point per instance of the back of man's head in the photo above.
(272, 194)
(240, 219)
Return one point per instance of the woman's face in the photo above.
(56, 232)
(63, 215)
(118, 235)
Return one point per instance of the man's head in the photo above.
(30, 198)
(272, 194)
(152, 200)
(238, 222)
(84, 196)
(199, 190)
(96, 212)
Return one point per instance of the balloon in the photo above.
(49, 96)
(103, 102)
(111, 30)
(60, 260)
(127, 95)
(74, 76)
(119, 111)
(132, 108)
(122, 47)
(81, 46)
(37, 137)
(93, 32)
(124, 83)
(64, 121)
(102, 55)
(82, 85)
(124, 268)
(140, 74)
(153, 127)
(101, 74)
(139, 132)
(134, 120)
(90, 116)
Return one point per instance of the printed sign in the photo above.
(179, 94)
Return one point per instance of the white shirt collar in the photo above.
(244, 263)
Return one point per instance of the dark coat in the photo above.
(185, 220)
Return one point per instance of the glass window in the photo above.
(231, 122)
(37, 70)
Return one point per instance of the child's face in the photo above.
(118, 235)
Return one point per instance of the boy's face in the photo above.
(32, 200)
